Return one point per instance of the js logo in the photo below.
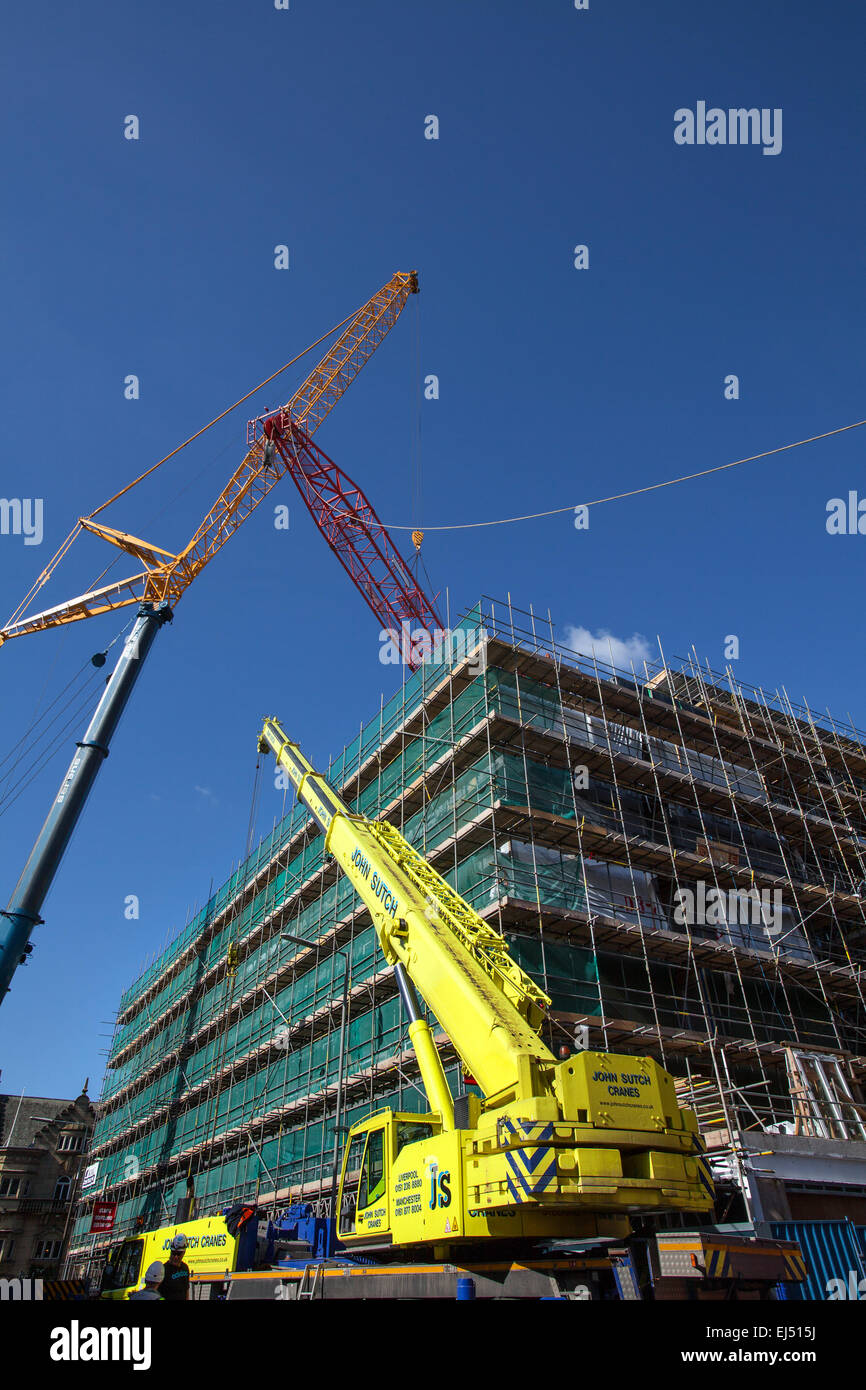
(440, 1186)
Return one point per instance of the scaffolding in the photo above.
(676, 857)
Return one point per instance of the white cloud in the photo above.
(623, 653)
(206, 793)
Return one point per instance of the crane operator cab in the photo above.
(366, 1192)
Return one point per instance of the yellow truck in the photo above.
(211, 1249)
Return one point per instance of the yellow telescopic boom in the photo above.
(488, 1006)
(553, 1147)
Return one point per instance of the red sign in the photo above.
(103, 1216)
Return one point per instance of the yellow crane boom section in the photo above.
(489, 1007)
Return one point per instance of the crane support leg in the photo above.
(22, 914)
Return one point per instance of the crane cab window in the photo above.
(372, 1188)
(408, 1131)
(123, 1271)
(352, 1177)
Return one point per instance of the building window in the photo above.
(7, 1247)
(47, 1250)
(70, 1143)
(14, 1186)
(63, 1189)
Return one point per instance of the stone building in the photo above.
(42, 1145)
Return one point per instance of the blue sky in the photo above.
(306, 128)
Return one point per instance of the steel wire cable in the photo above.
(37, 721)
(633, 492)
(90, 686)
(46, 756)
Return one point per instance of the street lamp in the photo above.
(338, 1114)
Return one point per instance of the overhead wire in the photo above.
(633, 492)
(50, 730)
(48, 754)
(59, 696)
(47, 732)
(36, 721)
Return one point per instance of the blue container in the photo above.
(465, 1290)
(834, 1251)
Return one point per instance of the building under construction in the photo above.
(677, 858)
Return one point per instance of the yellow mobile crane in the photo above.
(552, 1148)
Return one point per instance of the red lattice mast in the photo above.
(347, 520)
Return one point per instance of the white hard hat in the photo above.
(180, 1241)
(154, 1274)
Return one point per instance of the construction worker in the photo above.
(175, 1281)
(153, 1277)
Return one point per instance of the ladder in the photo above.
(307, 1285)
